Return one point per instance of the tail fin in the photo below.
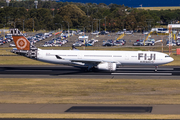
(20, 41)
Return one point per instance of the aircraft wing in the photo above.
(84, 60)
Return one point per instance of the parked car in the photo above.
(103, 33)
(128, 32)
(95, 33)
(57, 44)
(119, 42)
(108, 43)
(173, 43)
(47, 45)
(12, 45)
(90, 43)
(149, 43)
(120, 32)
(146, 32)
(95, 40)
(1, 43)
(138, 43)
(77, 44)
(178, 42)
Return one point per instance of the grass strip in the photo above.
(89, 91)
(160, 8)
(89, 116)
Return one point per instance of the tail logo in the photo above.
(21, 43)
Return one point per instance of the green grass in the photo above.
(176, 61)
(89, 91)
(89, 116)
(20, 60)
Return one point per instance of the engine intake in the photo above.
(107, 66)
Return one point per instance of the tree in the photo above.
(72, 14)
(44, 18)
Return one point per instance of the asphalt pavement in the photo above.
(126, 72)
(90, 108)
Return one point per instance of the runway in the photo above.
(126, 72)
(136, 72)
(91, 108)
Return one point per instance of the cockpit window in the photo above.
(167, 56)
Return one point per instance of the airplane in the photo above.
(98, 59)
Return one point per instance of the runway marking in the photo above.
(112, 109)
(27, 70)
(166, 74)
(144, 68)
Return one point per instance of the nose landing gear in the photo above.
(156, 67)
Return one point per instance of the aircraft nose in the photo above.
(171, 59)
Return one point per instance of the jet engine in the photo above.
(107, 66)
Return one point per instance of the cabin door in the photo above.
(126, 57)
(80, 56)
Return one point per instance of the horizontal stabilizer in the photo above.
(15, 32)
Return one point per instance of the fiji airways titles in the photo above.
(144, 58)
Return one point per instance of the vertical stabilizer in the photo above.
(20, 41)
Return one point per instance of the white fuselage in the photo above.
(82, 57)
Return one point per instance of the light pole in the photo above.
(33, 24)
(83, 29)
(61, 27)
(60, 24)
(99, 24)
(96, 23)
(68, 27)
(105, 23)
(163, 41)
(15, 23)
(4, 31)
(92, 26)
(23, 26)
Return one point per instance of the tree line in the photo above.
(52, 15)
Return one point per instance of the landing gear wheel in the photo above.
(156, 67)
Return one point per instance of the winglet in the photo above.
(20, 41)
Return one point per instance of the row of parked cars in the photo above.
(39, 37)
(173, 42)
(6, 39)
(80, 43)
(58, 41)
(149, 42)
(106, 33)
(36, 38)
(119, 42)
(55, 42)
(124, 32)
(100, 33)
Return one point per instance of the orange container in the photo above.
(178, 51)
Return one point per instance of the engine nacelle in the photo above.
(107, 66)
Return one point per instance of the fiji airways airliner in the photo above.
(102, 60)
